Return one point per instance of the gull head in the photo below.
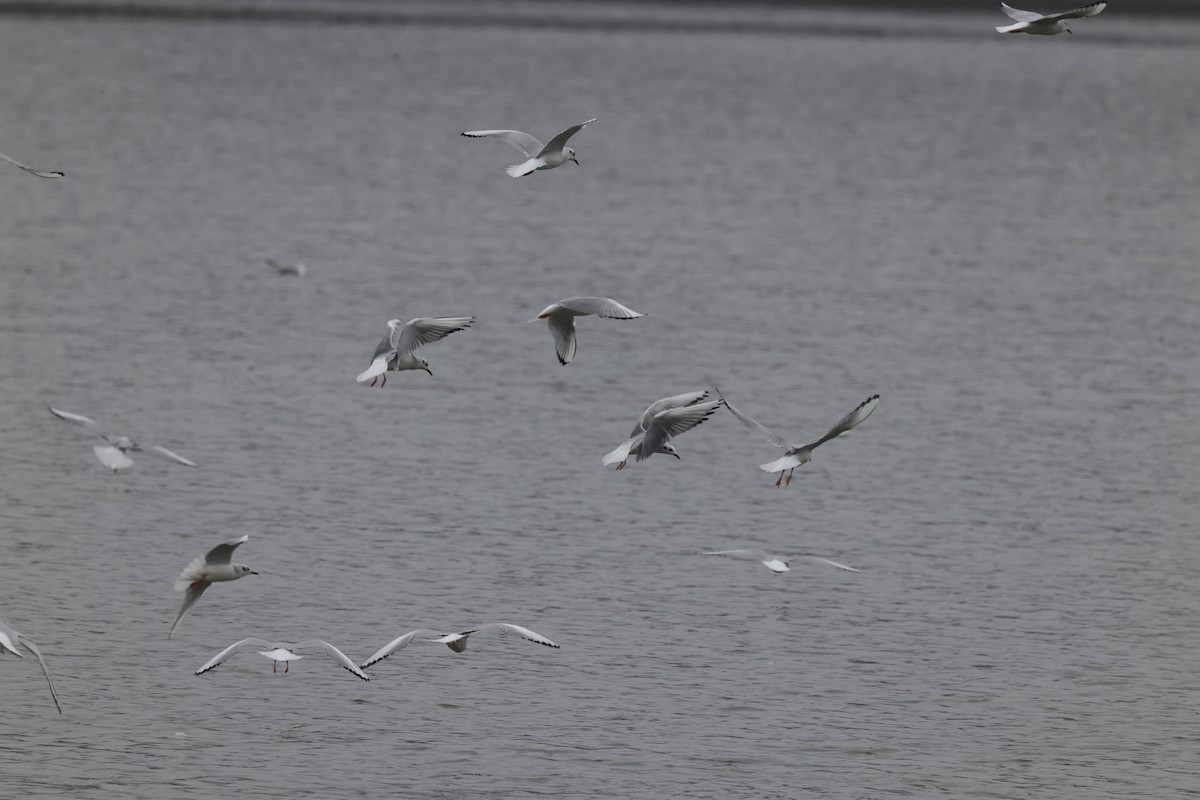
(669, 449)
(425, 365)
(125, 444)
(570, 151)
(242, 569)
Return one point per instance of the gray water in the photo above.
(998, 234)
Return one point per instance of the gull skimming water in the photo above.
(115, 454)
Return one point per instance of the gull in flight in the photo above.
(560, 318)
(1045, 24)
(540, 156)
(215, 565)
(115, 454)
(633, 445)
(9, 639)
(801, 454)
(298, 270)
(455, 641)
(285, 652)
(41, 173)
(395, 352)
(777, 563)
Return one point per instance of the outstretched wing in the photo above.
(600, 306)
(41, 173)
(223, 553)
(165, 454)
(850, 420)
(527, 144)
(79, 419)
(834, 564)
(560, 141)
(194, 590)
(757, 428)
(223, 656)
(1019, 15)
(1075, 13)
(396, 645)
(34, 649)
(668, 424)
(334, 653)
(424, 330)
(509, 629)
(679, 400)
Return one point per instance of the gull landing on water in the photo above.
(9, 639)
(285, 652)
(204, 571)
(560, 318)
(394, 353)
(801, 454)
(777, 563)
(455, 641)
(637, 438)
(114, 455)
(1045, 24)
(41, 173)
(540, 156)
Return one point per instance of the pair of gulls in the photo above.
(395, 351)
(665, 419)
(1045, 24)
(288, 652)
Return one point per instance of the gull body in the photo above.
(297, 270)
(1045, 24)
(395, 352)
(801, 454)
(560, 318)
(115, 454)
(455, 641)
(633, 445)
(41, 173)
(203, 571)
(539, 156)
(9, 641)
(285, 652)
(777, 563)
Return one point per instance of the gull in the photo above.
(285, 652)
(299, 269)
(203, 571)
(664, 426)
(1045, 24)
(540, 156)
(560, 318)
(801, 454)
(394, 353)
(114, 455)
(9, 639)
(41, 173)
(777, 563)
(633, 445)
(455, 641)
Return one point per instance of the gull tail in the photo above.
(377, 368)
(520, 170)
(1014, 28)
(620, 454)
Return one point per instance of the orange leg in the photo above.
(779, 481)
(788, 482)
(374, 379)
(286, 665)
(274, 666)
(384, 381)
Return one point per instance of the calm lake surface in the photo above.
(999, 235)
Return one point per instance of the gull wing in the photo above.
(834, 564)
(773, 563)
(112, 458)
(79, 419)
(334, 653)
(41, 173)
(850, 420)
(165, 454)
(424, 330)
(223, 553)
(527, 144)
(396, 645)
(34, 649)
(562, 328)
(668, 424)
(193, 594)
(1019, 15)
(387, 346)
(223, 656)
(560, 141)
(686, 399)
(600, 306)
(1075, 13)
(509, 629)
(757, 428)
